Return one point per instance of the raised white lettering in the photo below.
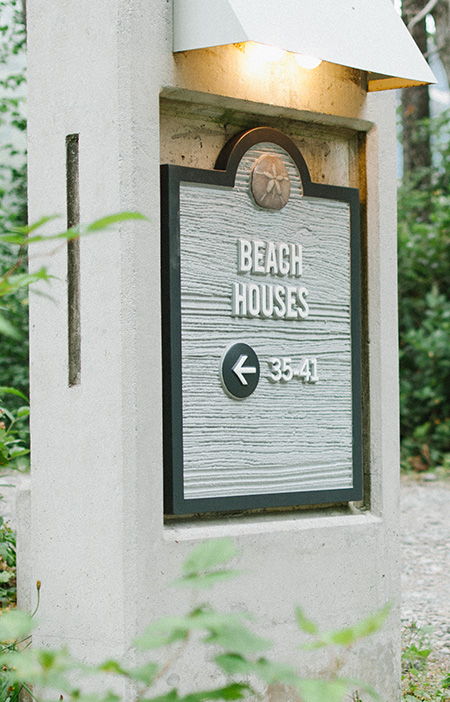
(253, 300)
(275, 301)
(259, 249)
(296, 260)
(239, 300)
(303, 310)
(291, 310)
(266, 300)
(279, 309)
(267, 258)
(244, 256)
(283, 259)
(271, 259)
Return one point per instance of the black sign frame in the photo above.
(224, 175)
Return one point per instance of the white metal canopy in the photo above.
(365, 34)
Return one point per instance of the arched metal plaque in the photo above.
(261, 332)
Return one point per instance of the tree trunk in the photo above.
(441, 16)
(415, 108)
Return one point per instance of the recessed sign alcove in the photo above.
(261, 332)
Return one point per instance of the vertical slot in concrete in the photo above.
(73, 259)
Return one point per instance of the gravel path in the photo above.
(425, 531)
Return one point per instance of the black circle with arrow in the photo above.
(239, 370)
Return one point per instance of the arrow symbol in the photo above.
(240, 370)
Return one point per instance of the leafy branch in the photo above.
(236, 650)
(14, 434)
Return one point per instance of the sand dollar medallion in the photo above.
(270, 182)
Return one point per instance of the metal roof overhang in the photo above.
(367, 35)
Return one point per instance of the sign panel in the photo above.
(261, 332)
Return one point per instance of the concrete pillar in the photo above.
(105, 70)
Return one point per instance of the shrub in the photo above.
(424, 311)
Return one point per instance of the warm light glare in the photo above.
(264, 53)
(259, 55)
(307, 61)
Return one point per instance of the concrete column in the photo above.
(105, 70)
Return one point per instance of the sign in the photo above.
(261, 332)
(239, 371)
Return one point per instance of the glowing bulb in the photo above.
(307, 61)
(264, 53)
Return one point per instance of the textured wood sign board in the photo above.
(285, 283)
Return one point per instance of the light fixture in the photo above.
(367, 35)
(309, 62)
(264, 53)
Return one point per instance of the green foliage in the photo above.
(14, 430)
(233, 647)
(343, 637)
(8, 590)
(424, 310)
(12, 112)
(15, 631)
(420, 679)
(200, 571)
(14, 278)
(13, 208)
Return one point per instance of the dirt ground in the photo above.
(425, 534)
